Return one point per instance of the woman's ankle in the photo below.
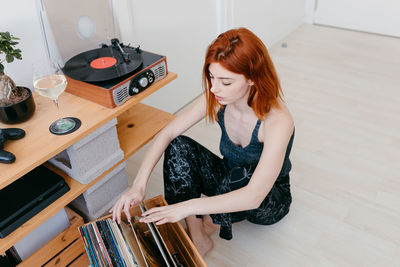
(202, 242)
(208, 225)
(195, 227)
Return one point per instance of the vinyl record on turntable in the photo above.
(102, 64)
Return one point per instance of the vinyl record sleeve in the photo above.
(114, 242)
(90, 246)
(130, 236)
(118, 242)
(96, 248)
(127, 256)
(107, 242)
(102, 245)
(104, 241)
(138, 243)
(127, 248)
(162, 247)
(86, 245)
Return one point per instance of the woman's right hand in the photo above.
(133, 196)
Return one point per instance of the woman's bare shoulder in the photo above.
(278, 122)
(279, 117)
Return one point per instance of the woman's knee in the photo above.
(178, 157)
(182, 140)
(178, 144)
(270, 215)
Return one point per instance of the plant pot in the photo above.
(18, 112)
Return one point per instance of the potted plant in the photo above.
(16, 102)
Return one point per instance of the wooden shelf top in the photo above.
(138, 125)
(39, 144)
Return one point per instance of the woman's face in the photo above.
(227, 87)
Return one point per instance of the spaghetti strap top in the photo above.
(249, 155)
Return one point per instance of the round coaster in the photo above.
(77, 125)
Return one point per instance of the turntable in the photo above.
(112, 74)
(108, 75)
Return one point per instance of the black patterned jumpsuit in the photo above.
(191, 170)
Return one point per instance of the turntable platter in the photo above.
(102, 64)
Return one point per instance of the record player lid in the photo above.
(78, 25)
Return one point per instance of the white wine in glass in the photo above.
(49, 81)
(51, 86)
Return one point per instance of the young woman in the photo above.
(251, 181)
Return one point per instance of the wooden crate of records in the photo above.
(66, 249)
(139, 244)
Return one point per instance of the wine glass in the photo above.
(49, 81)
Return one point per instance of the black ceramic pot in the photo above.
(19, 112)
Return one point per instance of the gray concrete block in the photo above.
(92, 155)
(103, 193)
(91, 216)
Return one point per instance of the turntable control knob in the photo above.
(133, 91)
(143, 82)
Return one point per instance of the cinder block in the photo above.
(92, 155)
(103, 194)
(87, 217)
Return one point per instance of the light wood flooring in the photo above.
(343, 89)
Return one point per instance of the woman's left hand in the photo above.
(166, 214)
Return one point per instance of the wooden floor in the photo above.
(343, 89)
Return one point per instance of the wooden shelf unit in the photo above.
(53, 253)
(147, 122)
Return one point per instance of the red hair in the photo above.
(241, 51)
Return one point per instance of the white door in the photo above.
(375, 16)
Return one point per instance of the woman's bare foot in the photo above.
(203, 244)
(198, 234)
(209, 226)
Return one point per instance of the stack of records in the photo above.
(108, 243)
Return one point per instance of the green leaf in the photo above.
(7, 45)
(1, 67)
(17, 55)
(6, 49)
(9, 58)
(6, 35)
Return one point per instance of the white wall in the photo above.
(270, 20)
(179, 29)
(375, 16)
(309, 11)
(21, 20)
